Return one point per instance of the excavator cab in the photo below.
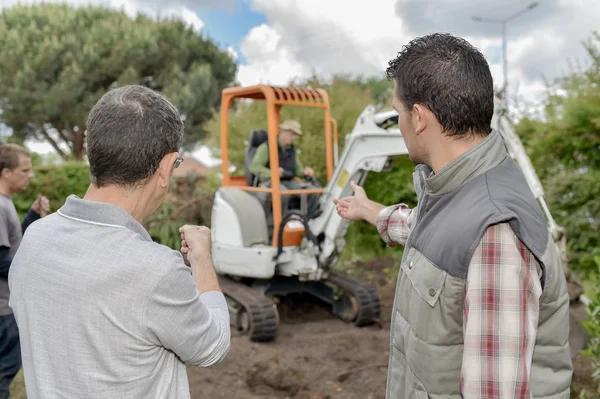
(281, 222)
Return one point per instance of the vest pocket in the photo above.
(426, 278)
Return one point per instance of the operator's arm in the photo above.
(500, 317)
(193, 325)
(259, 162)
(394, 223)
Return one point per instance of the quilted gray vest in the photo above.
(482, 187)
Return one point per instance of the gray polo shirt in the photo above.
(105, 312)
(10, 237)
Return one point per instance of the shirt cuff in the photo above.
(383, 218)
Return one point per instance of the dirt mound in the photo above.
(315, 355)
(343, 362)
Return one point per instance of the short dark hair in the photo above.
(9, 156)
(129, 131)
(450, 77)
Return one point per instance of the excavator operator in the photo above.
(291, 170)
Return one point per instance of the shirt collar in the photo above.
(101, 213)
(488, 153)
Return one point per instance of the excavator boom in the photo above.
(371, 146)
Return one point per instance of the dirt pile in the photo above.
(316, 356)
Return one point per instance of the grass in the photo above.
(17, 388)
(588, 288)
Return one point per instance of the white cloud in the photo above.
(204, 155)
(269, 60)
(153, 8)
(190, 17)
(233, 53)
(334, 37)
(323, 37)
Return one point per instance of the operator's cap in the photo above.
(292, 125)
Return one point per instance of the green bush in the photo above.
(574, 199)
(388, 188)
(563, 148)
(56, 182)
(592, 324)
(190, 201)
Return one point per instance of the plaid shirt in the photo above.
(500, 309)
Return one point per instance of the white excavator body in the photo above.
(253, 269)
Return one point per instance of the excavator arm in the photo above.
(370, 147)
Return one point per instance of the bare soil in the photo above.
(317, 356)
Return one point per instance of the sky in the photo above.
(278, 40)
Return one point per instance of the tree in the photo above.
(564, 149)
(57, 61)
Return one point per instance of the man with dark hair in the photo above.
(15, 174)
(481, 307)
(103, 310)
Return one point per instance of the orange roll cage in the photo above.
(276, 97)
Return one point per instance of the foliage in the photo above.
(363, 241)
(57, 61)
(190, 201)
(574, 198)
(56, 182)
(592, 326)
(564, 150)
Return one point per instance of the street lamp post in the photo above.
(503, 23)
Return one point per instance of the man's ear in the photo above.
(165, 168)
(421, 116)
(4, 173)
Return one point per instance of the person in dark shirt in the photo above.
(15, 174)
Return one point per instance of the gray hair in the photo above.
(129, 131)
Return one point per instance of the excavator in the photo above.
(260, 255)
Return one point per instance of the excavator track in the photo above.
(363, 301)
(251, 312)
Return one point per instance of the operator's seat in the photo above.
(257, 137)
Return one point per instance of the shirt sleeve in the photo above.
(394, 224)
(5, 262)
(500, 317)
(259, 162)
(29, 218)
(195, 326)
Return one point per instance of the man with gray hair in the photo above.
(103, 310)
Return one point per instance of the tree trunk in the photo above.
(50, 140)
(78, 141)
